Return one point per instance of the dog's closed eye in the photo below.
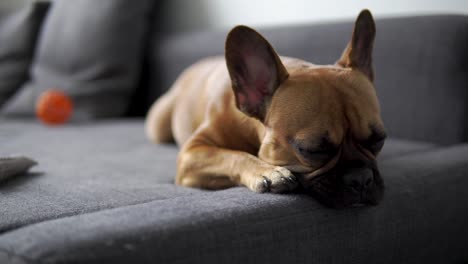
(321, 152)
(309, 154)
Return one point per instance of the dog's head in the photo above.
(322, 122)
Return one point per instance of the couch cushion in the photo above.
(87, 167)
(420, 66)
(397, 147)
(18, 32)
(92, 51)
(422, 219)
(83, 168)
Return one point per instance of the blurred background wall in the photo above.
(8, 4)
(208, 14)
(187, 15)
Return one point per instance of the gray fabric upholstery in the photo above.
(105, 165)
(92, 51)
(93, 166)
(102, 194)
(83, 168)
(421, 74)
(18, 33)
(108, 164)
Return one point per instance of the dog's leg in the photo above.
(158, 125)
(203, 165)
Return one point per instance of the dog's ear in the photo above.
(358, 53)
(255, 69)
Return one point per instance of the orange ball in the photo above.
(54, 107)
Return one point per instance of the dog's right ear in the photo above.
(358, 53)
(255, 69)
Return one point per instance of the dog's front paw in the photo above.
(277, 180)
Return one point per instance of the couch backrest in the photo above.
(421, 66)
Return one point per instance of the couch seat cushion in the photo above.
(421, 220)
(89, 167)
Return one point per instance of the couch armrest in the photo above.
(423, 219)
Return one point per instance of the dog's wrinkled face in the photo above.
(322, 122)
(324, 125)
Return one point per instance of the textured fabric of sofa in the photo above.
(103, 194)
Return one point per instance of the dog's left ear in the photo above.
(358, 53)
(255, 69)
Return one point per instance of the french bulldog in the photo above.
(274, 123)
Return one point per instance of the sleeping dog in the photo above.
(272, 123)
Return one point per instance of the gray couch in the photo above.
(103, 194)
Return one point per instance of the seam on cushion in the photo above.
(436, 148)
(2, 232)
(33, 261)
(39, 261)
(23, 258)
(96, 211)
(398, 155)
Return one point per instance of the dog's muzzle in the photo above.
(349, 184)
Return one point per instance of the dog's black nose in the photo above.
(359, 179)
